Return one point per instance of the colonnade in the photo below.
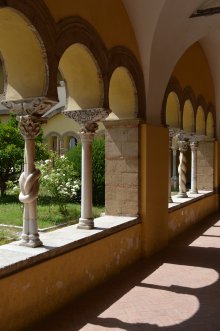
(180, 141)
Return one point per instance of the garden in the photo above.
(59, 196)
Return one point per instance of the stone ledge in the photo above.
(14, 258)
(182, 202)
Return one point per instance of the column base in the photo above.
(85, 223)
(182, 195)
(30, 241)
(170, 200)
(193, 192)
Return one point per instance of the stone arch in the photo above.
(22, 56)
(121, 57)
(173, 110)
(122, 95)
(189, 106)
(188, 116)
(82, 76)
(174, 87)
(77, 31)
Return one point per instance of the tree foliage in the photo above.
(12, 151)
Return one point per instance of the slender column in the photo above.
(30, 112)
(183, 145)
(169, 176)
(174, 177)
(87, 118)
(86, 220)
(194, 148)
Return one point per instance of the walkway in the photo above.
(178, 289)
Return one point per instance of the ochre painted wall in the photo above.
(193, 70)
(154, 153)
(108, 17)
(184, 217)
(31, 294)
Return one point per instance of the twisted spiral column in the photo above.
(170, 200)
(183, 146)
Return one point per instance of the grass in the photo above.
(48, 215)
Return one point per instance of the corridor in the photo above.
(178, 289)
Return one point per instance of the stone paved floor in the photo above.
(178, 289)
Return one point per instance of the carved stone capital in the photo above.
(88, 118)
(183, 145)
(30, 106)
(30, 126)
(194, 145)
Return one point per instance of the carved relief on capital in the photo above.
(183, 145)
(30, 126)
(88, 118)
(194, 145)
(31, 106)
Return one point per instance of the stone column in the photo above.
(29, 181)
(174, 177)
(170, 200)
(30, 118)
(86, 220)
(183, 146)
(87, 118)
(194, 148)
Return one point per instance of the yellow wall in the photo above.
(154, 187)
(60, 124)
(184, 217)
(172, 110)
(193, 70)
(108, 17)
(23, 57)
(39, 290)
(188, 117)
(200, 121)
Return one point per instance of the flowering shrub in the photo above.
(58, 181)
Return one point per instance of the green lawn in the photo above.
(48, 215)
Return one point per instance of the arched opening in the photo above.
(24, 58)
(122, 95)
(82, 77)
(188, 117)
(173, 110)
(200, 121)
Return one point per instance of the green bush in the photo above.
(98, 168)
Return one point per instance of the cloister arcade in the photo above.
(83, 69)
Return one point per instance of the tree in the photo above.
(12, 151)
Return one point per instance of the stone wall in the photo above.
(121, 167)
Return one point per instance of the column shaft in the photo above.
(194, 147)
(86, 220)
